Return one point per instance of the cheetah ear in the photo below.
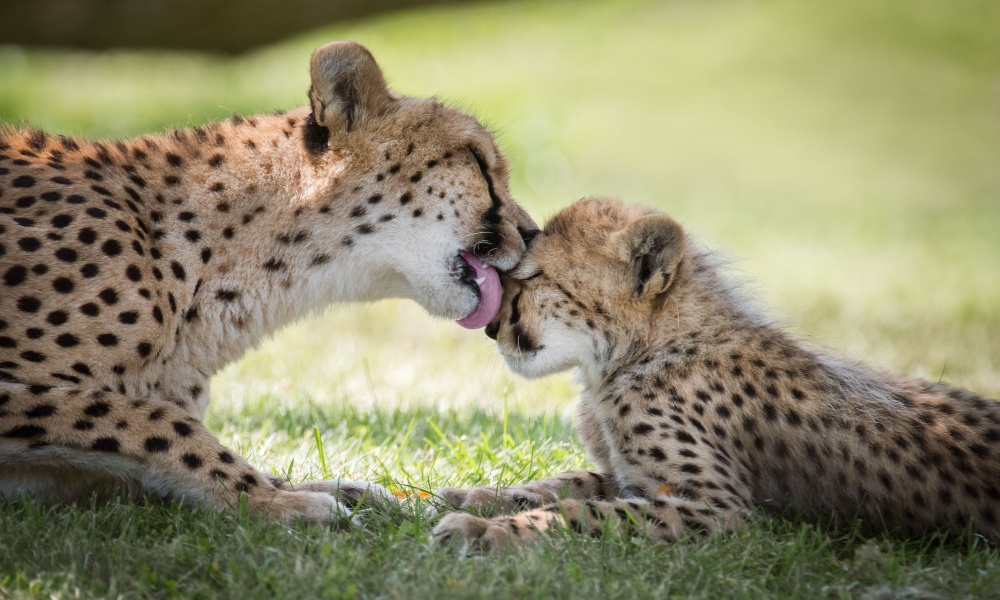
(348, 88)
(652, 247)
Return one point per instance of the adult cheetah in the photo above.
(695, 407)
(131, 271)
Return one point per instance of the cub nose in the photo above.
(492, 329)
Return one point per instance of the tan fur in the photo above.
(695, 408)
(132, 271)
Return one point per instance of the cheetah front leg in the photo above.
(149, 444)
(579, 485)
(665, 519)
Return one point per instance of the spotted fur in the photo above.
(131, 271)
(695, 408)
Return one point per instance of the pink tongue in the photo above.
(490, 294)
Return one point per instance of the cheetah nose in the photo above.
(492, 329)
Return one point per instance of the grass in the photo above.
(844, 153)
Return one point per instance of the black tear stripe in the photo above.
(491, 216)
(515, 310)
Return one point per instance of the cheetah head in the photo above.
(588, 287)
(431, 215)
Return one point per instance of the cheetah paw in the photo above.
(470, 532)
(496, 500)
(316, 508)
(353, 494)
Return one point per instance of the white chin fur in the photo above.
(562, 350)
(450, 300)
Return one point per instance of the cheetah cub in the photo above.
(132, 271)
(695, 408)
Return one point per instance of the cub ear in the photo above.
(347, 86)
(652, 247)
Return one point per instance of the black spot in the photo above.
(226, 457)
(41, 411)
(15, 275)
(642, 429)
(227, 295)
(129, 317)
(25, 431)
(178, 270)
(111, 248)
(273, 264)
(192, 461)
(83, 425)
(685, 437)
(24, 181)
(67, 340)
(32, 356)
(61, 221)
(63, 285)
(106, 444)
(82, 369)
(157, 444)
(28, 304)
(144, 348)
(183, 429)
(109, 296)
(96, 409)
(87, 235)
(107, 339)
(29, 244)
(66, 254)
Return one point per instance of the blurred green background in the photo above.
(844, 156)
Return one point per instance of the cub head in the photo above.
(423, 187)
(588, 287)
